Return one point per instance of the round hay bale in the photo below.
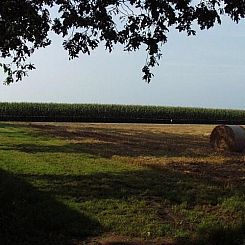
(228, 138)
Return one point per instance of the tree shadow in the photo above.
(136, 144)
(160, 189)
(29, 216)
(193, 184)
(107, 142)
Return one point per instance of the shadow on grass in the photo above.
(161, 190)
(203, 185)
(28, 216)
(169, 145)
(107, 142)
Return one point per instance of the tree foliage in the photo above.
(84, 24)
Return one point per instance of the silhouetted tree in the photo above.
(83, 24)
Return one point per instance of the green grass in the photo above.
(53, 191)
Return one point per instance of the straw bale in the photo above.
(228, 138)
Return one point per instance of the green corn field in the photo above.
(117, 113)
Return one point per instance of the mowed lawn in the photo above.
(64, 183)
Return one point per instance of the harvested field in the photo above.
(121, 184)
(182, 147)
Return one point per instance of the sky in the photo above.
(206, 70)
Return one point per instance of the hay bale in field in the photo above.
(228, 138)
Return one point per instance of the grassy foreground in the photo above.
(85, 183)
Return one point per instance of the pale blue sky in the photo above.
(202, 71)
